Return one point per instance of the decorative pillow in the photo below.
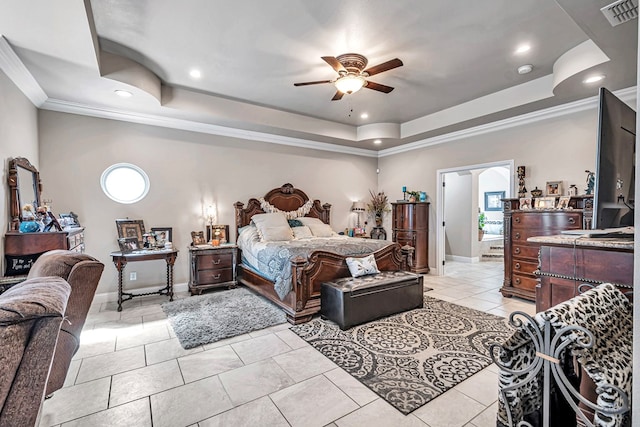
(272, 227)
(301, 232)
(362, 266)
(318, 228)
(294, 223)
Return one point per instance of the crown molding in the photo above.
(19, 74)
(628, 94)
(194, 126)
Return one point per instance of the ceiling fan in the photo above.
(353, 76)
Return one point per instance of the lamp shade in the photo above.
(350, 83)
(358, 207)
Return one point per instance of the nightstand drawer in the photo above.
(210, 277)
(524, 282)
(215, 260)
(525, 251)
(524, 267)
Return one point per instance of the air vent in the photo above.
(621, 11)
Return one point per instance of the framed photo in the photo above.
(131, 228)
(554, 188)
(218, 232)
(163, 235)
(492, 200)
(545, 202)
(525, 203)
(563, 203)
(128, 244)
(197, 238)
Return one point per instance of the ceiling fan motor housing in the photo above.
(353, 62)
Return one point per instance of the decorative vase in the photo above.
(29, 226)
(378, 233)
(378, 219)
(536, 192)
(480, 234)
(423, 196)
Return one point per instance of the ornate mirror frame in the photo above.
(16, 167)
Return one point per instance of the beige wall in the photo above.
(188, 171)
(18, 138)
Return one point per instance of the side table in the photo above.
(120, 260)
(212, 267)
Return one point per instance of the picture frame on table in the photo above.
(554, 188)
(197, 238)
(525, 203)
(128, 244)
(492, 200)
(163, 235)
(218, 232)
(545, 203)
(131, 228)
(563, 202)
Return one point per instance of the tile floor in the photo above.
(131, 371)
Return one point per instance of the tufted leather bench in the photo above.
(351, 301)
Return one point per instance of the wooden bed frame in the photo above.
(303, 301)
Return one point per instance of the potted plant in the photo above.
(378, 205)
(481, 223)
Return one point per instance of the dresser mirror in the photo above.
(24, 187)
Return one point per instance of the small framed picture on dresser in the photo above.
(545, 202)
(554, 188)
(563, 203)
(525, 203)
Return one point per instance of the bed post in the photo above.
(302, 294)
(407, 257)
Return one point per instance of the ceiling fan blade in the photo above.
(312, 83)
(335, 64)
(338, 96)
(385, 66)
(378, 87)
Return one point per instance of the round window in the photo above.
(124, 183)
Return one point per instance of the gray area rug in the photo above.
(211, 317)
(410, 358)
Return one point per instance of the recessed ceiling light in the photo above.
(523, 48)
(593, 79)
(123, 93)
(524, 69)
(196, 74)
(377, 141)
(364, 116)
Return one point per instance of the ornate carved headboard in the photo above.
(286, 198)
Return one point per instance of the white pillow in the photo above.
(301, 232)
(272, 227)
(318, 228)
(362, 266)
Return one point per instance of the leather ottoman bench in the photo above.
(351, 301)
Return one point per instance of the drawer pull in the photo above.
(517, 219)
(516, 251)
(517, 281)
(216, 262)
(517, 236)
(517, 266)
(572, 220)
(216, 277)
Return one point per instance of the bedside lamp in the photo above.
(358, 208)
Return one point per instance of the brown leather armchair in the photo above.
(30, 318)
(82, 272)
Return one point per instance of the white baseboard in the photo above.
(458, 258)
(113, 296)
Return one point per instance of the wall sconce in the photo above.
(358, 208)
(211, 214)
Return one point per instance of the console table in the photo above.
(120, 260)
(567, 261)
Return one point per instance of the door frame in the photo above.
(440, 232)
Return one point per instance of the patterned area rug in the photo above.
(211, 317)
(413, 357)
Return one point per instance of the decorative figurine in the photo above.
(591, 181)
(536, 192)
(573, 190)
(522, 191)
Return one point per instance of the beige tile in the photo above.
(161, 351)
(255, 380)
(143, 310)
(261, 411)
(477, 304)
(126, 305)
(141, 337)
(482, 387)
(76, 401)
(119, 326)
(136, 413)
(189, 403)
(314, 402)
(487, 418)
(101, 317)
(94, 342)
(291, 339)
(379, 414)
(108, 364)
(72, 373)
(353, 388)
(207, 363)
(450, 409)
(227, 341)
(142, 382)
(441, 297)
(304, 363)
(260, 348)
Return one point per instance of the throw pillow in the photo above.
(294, 223)
(318, 228)
(362, 266)
(272, 227)
(301, 232)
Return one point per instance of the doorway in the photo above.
(460, 199)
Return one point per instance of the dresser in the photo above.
(521, 256)
(212, 267)
(410, 222)
(22, 249)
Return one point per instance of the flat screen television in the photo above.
(614, 195)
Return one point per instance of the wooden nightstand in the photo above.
(212, 267)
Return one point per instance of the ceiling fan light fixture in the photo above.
(350, 83)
